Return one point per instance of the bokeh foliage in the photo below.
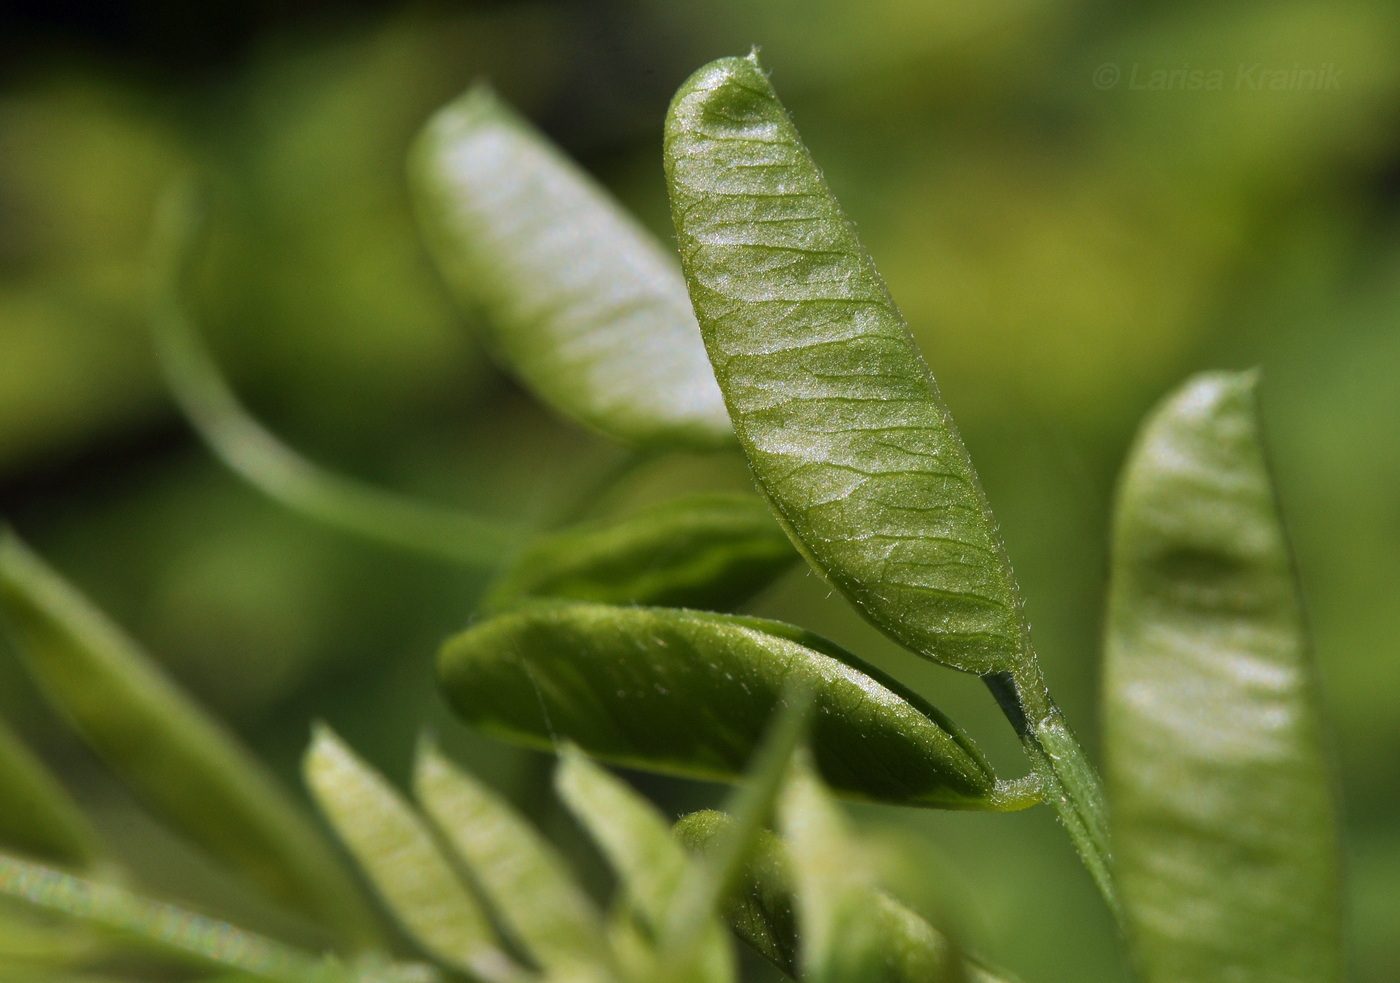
(1064, 252)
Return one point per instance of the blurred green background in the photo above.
(1067, 240)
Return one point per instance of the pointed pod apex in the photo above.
(320, 733)
(482, 90)
(428, 762)
(1215, 413)
(477, 105)
(718, 88)
(433, 772)
(426, 745)
(1211, 393)
(326, 749)
(569, 753)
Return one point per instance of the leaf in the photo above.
(706, 884)
(525, 880)
(396, 849)
(1222, 797)
(172, 929)
(689, 693)
(181, 761)
(37, 817)
(255, 454)
(650, 865)
(838, 414)
(583, 304)
(842, 423)
(632, 835)
(705, 551)
(33, 942)
(760, 910)
(834, 884)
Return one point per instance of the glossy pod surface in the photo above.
(702, 551)
(1222, 803)
(579, 301)
(838, 414)
(690, 693)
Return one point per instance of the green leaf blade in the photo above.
(584, 305)
(37, 816)
(172, 929)
(1224, 820)
(181, 761)
(630, 832)
(527, 882)
(834, 886)
(705, 551)
(397, 851)
(841, 420)
(842, 423)
(691, 693)
(761, 911)
(759, 908)
(651, 867)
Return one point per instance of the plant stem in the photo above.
(256, 455)
(173, 929)
(1069, 782)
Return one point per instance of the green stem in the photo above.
(1069, 783)
(254, 453)
(213, 942)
